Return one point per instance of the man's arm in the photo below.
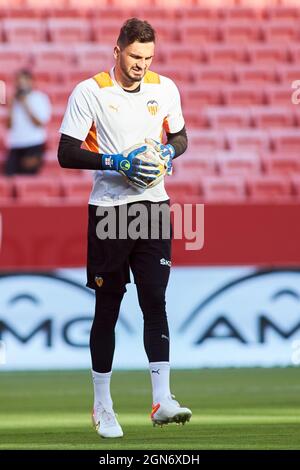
(175, 146)
(34, 119)
(179, 141)
(141, 173)
(70, 155)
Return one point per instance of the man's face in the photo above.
(134, 60)
(23, 82)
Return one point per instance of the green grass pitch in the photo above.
(232, 409)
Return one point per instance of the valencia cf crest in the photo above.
(152, 106)
(99, 281)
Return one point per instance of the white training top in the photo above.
(24, 133)
(110, 120)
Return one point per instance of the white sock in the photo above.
(160, 379)
(101, 383)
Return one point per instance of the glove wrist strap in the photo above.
(171, 150)
(110, 162)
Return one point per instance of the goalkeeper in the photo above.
(113, 124)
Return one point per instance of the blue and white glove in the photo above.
(167, 152)
(130, 163)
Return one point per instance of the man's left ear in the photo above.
(116, 52)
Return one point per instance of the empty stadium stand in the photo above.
(233, 61)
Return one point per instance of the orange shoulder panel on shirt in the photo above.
(91, 141)
(103, 79)
(166, 125)
(151, 77)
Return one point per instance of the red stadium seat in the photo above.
(105, 32)
(58, 94)
(206, 141)
(48, 4)
(279, 31)
(186, 199)
(246, 74)
(21, 12)
(281, 164)
(168, 3)
(240, 31)
(294, 53)
(270, 117)
(73, 10)
(166, 30)
(178, 189)
(57, 115)
(46, 77)
(279, 95)
(212, 74)
(196, 96)
(68, 30)
(286, 141)
(36, 190)
(223, 190)
(225, 53)
(51, 56)
(242, 95)
(240, 13)
(72, 78)
(12, 58)
(248, 139)
(269, 189)
(199, 13)
(107, 12)
(287, 73)
(199, 32)
(194, 164)
(53, 137)
(51, 167)
(194, 119)
(24, 31)
(154, 14)
(94, 57)
(6, 190)
(238, 163)
(267, 53)
(180, 75)
(282, 12)
(180, 54)
(222, 118)
(77, 189)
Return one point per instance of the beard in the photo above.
(129, 77)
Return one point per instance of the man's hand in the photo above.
(131, 164)
(167, 152)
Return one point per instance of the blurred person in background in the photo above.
(29, 112)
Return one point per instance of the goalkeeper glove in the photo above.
(167, 152)
(129, 164)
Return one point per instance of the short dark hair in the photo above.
(25, 73)
(135, 30)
